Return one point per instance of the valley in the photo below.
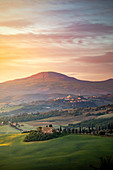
(58, 103)
(74, 117)
(82, 122)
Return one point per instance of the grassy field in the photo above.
(55, 121)
(6, 129)
(74, 152)
(11, 108)
(27, 127)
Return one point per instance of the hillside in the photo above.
(17, 105)
(68, 152)
(91, 115)
(26, 98)
(52, 82)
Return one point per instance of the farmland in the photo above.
(68, 152)
(6, 129)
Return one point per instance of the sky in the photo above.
(73, 37)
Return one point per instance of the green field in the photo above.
(9, 109)
(6, 129)
(74, 152)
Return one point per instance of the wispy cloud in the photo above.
(89, 29)
(18, 23)
(106, 58)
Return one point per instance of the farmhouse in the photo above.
(47, 130)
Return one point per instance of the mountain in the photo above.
(52, 82)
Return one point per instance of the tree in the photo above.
(39, 129)
(60, 129)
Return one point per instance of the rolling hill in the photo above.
(52, 82)
(68, 152)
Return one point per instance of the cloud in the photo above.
(106, 58)
(9, 5)
(41, 39)
(89, 28)
(19, 23)
(52, 45)
(73, 19)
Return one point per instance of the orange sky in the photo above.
(70, 37)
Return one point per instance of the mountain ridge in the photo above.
(53, 82)
(44, 74)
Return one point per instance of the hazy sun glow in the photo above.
(71, 37)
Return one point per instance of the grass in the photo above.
(27, 127)
(55, 121)
(74, 152)
(11, 108)
(6, 129)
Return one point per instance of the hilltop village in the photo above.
(72, 99)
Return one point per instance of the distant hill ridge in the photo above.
(50, 75)
(53, 82)
(45, 76)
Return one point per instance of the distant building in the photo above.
(69, 97)
(14, 124)
(2, 123)
(80, 98)
(47, 130)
